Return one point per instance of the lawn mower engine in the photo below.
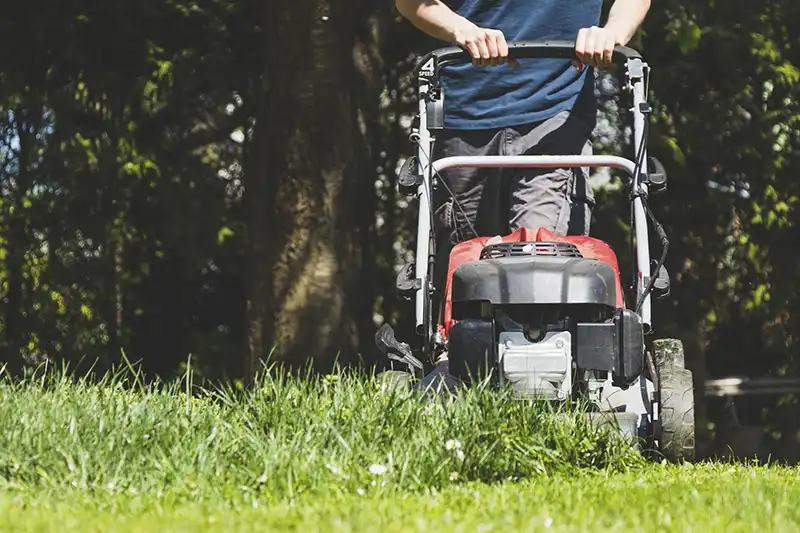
(543, 314)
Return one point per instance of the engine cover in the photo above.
(537, 369)
(533, 281)
(473, 250)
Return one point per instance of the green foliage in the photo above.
(119, 213)
(725, 84)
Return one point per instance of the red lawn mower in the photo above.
(543, 314)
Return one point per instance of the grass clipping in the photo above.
(288, 436)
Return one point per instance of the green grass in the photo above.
(718, 498)
(340, 453)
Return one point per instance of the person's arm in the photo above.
(595, 46)
(486, 46)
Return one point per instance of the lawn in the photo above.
(339, 453)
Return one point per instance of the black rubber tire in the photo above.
(676, 423)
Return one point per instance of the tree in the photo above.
(727, 96)
(309, 180)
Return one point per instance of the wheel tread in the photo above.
(676, 402)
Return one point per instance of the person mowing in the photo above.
(498, 106)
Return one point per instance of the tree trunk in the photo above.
(303, 188)
(113, 314)
(258, 272)
(15, 243)
(13, 315)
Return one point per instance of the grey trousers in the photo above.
(499, 201)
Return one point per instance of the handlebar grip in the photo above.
(516, 50)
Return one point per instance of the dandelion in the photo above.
(452, 444)
(377, 469)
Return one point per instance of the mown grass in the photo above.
(705, 498)
(340, 452)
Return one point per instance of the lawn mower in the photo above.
(541, 313)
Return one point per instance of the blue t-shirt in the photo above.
(497, 97)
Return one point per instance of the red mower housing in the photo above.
(468, 251)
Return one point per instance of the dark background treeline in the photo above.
(216, 179)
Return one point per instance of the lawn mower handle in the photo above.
(521, 50)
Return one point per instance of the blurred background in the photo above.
(213, 182)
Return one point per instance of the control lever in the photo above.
(408, 181)
(395, 350)
(657, 176)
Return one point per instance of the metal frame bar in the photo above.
(535, 161)
(424, 230)
(636, 81)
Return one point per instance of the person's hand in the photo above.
(486, 46)
(595, 47)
